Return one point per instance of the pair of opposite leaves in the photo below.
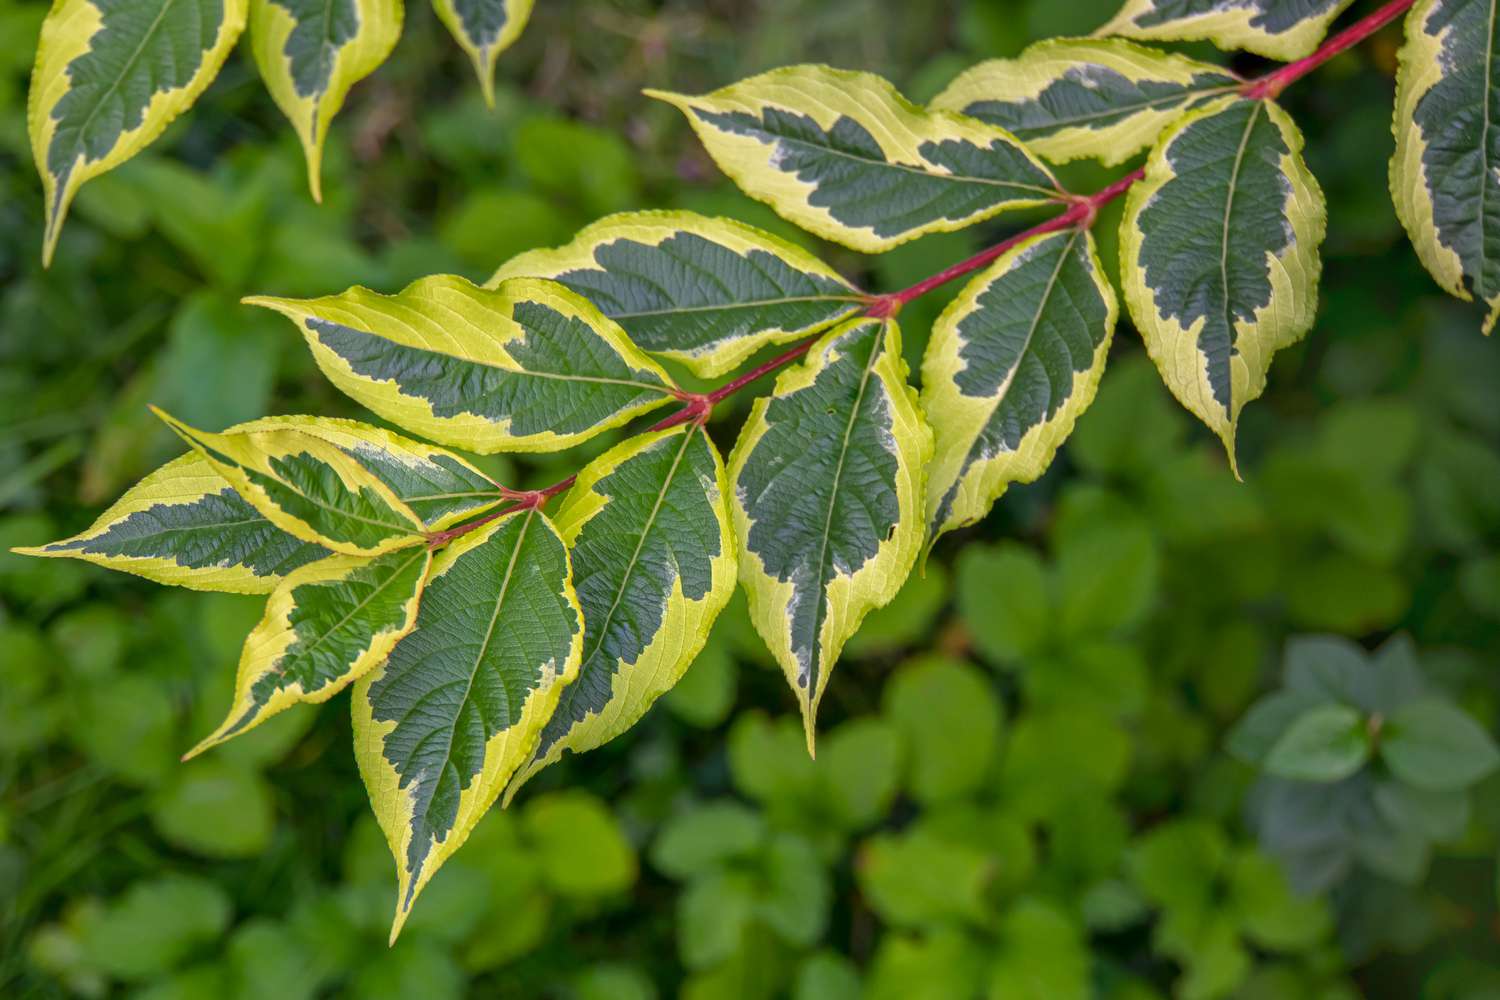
(111, 75)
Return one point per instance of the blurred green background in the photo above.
(1023, 789)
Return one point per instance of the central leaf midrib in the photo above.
(1186, 94)
(484, 645)
(898, 165)
(742, 304)
(1004, 390)
(838, 474)
(639, 546)
(124, 72)
(342, 513)
(1234, 179)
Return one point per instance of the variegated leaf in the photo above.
(185, 525)
(1445, 176)
(829, 482)
(110, 75)
(847, 157)
(526, 366)
(458, 706)
(1012, 363)
(310, 52)
(308, 487)
(484, 28)
(325, 626)
(441, 488)
(1068, 98)
(705, 292)
(654, 563)
(1219, 254)
(1277, 29)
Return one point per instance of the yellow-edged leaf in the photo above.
(110, 75)
(648, 527)
(847, 157)
(443, 724)
(310, 52)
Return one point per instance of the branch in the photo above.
(1272, 84)
(1081, 212)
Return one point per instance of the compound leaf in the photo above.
(1011, 364)
(1276, 29)
(325, 626)
(310, 52)
(647, 525)
(1445, 175)
(847, 157)
(706, 292)
(443, 724)
(1070, 98)
(526, 366)
(828, 488)
(484, 29)
(308, 487)
(185, 526)
(110, 75)
(1219, 254)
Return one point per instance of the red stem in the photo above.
(1272, 84)
(1081, 212)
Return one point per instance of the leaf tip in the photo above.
(667, 97)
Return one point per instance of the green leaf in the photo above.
(1263, 726)
(950, 720)
(647, 525)
(1108, 564)
(215, 809)
(827, 975)
(845, 156)
(484, 29)
(1445, 174)
(859, 771)
(1219, 254)
(308, 487)
(1005, 599)
(310, 52)
(1436, 745)
(705, 837)
(914, 879)
(1042, 955)
(712, 914)
(110, 76)
(458, 706)
(1441, 815)
(583, 851)
(1068, 98)
(526, 366)
(827, 479)
(1324, 744)
(325, 626)
(1277, 29)
(1271, 914)
(155, 925)
(1011, 364)
(939, 965)
(703, 291)
(1177, 863)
